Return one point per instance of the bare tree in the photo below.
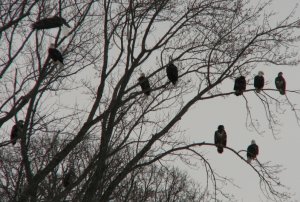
(156, 183)
(91, 117)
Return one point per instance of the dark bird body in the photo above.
(55, 55)
(144, 83)
(252, 151)
(239, 85)
(259, 81)
(172, 73)
(69, 178)
(220, 138)
(48, 23)
(280, 83)
(16, 131)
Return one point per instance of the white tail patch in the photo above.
(65, 30)
(58, 63)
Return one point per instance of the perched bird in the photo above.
(239, 85)
(16, 131)
(259, 81)
(144, 83)
(55, 55)
(48, 23)
(280, 83)
(252, 151)
(220, 138)
(69, 178)
(172, 73)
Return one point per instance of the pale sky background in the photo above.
(202, 120)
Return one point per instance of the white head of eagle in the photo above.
(52, 45)
(260, 73)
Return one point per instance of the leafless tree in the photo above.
(91, 117)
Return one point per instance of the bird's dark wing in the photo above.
(236, 84)
(280, 85)
(47, 23)
(243, 84)
(216, 138)
(66, 180)
(172, 73)
(69, 178)
(256, 81)
(259, 81)
(145, 85)
(251, 151)
(278, 82)
(239, 84)
(55, 55)
(14, 132)
(256, 149)
(283, 83)
(262, 81)
(224, 139)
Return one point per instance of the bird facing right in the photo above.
(16, 131)
(144, 83)
(280, 83)
(55, 55)
(49, 23)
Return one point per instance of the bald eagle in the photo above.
(69, 178)
(144, 83)
(259, 81)
(220, 138)
(239, 85)
(280, 83)
(48, 23)
(16, 131)
(252, 151)
(172, 73)
(55, 55)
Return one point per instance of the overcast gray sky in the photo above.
(202, 121)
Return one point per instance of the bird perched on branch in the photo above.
(172, 73)
(48, 23)
(16, 131)
(259, 81)
(144, 83)
(239, 85)
(252, 151)
(55, 55)
(220, 138)
(69, 178)
(280, 83)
